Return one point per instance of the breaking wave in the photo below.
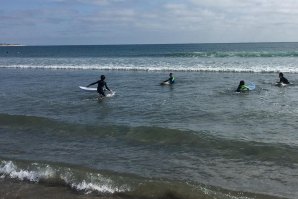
(197, 68)
(244, 54)
(39, 172)
(121, 186)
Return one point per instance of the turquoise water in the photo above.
(196, 138)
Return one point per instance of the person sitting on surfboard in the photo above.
(282, 79)
(171, 80)
(242, 87)
(100, 85)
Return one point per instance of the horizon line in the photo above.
(127, 44)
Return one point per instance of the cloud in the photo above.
(173, 21)
(88, 2)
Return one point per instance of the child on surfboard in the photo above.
(101, 84)
(242, 87)
(282, 79)
(171, 80)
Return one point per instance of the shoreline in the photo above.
(152, 44)
(6, 45)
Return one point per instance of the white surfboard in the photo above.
(87, 88)
(109, 94)
(165, 83)
(251, 86)
(280, 84)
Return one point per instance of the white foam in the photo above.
(8, 168)
(90, 186)
(253, 66)
(111, 94)
(101, 184)
(178, 68)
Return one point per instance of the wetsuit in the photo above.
(283, 80)
(242, 88)
(100, 86)
(171, 80)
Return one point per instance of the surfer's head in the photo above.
(170, 74)
(102, 77)
(242, 82)
(281, 74)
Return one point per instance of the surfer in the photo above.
(282, 79)
(100, 85)
(171, 80)
(242, 87)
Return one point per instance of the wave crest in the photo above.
(37, 172)
(80, 181)
(197, 68)
(241, 54)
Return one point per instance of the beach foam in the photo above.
(42, 172)
(197, 68)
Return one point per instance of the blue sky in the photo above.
(91, 22)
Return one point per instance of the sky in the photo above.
(96, 22)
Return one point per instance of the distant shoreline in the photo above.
(138, 44)
(10, 45)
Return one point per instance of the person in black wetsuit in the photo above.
(100, 85)
(242, 87)
(171, 80)
(282, 79)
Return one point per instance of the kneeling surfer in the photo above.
(100, 86)
(282, 79)
(171, 80)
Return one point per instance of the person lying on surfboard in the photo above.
(100, 85)
(242, 87)
(282, 79)
(171, 80)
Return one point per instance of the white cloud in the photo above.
(179, 20)
(87, 2)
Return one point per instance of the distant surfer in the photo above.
(171, 80)
(242, 87)
(101, 84)
(282, 79)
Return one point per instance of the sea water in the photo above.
(194, 139)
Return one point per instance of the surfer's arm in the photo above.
(167, 80)
(238, 89)
(246, 88)
(92, 84)
(107, 87)
(283, 80)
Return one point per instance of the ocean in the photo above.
(194, 139)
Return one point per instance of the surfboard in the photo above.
(87, 88)
(165, 83)
(251, 86)
(109, 94)
(280, 84)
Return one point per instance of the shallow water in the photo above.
(197, 136)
